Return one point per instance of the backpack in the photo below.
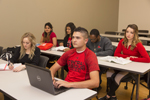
(6, 56)
(45, 46)
(8, 53)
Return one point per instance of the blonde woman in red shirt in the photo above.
(130, 47)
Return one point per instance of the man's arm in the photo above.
(93, 82)
(54, 68)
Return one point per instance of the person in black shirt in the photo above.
(27, 53)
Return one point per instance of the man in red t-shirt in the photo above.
(83, 69)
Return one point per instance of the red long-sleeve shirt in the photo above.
(139, 51)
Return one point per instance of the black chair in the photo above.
(127, 79)
(43, 61)
(123, 30)
(60, 41)
(142, 80)
(112, 33)
(140, 31)
(143, 31)
(1, 50)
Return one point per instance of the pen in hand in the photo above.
(10, 65)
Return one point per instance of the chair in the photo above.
(143, 31)
(122, 33)
(43, 61)
(60, 41)
(126, 79)
(112, 33)
(123, 30)
(141, 83)
(1, 50)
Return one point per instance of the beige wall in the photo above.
(134, 12)
(20, 16)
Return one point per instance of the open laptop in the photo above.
(41, 78)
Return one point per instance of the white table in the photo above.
(119, 36)
(133, 67)
(17, 85)
(146, 47)
(56, 53)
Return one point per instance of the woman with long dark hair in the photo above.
(48, 35)
(67, 40)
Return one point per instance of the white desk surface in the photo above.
(146, 47)
(58, 53)
(134, 67)
(17, 85)
(119, 36)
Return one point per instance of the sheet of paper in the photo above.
(2, 66)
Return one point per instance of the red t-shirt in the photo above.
(69, 42)
(79, 64)
(139, 51)
(51, 36)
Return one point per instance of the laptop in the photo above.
(41, 78)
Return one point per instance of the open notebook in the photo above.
(5, 66)
(118, 60)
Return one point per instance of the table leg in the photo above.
(148, 84)
(137, 86)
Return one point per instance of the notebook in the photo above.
(118, 60)
(41, 78)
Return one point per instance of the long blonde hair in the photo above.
(135, 38)
(32, 39)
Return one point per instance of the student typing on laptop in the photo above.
(82, 64)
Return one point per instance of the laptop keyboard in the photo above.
(61, 88)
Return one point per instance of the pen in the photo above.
(5, 66)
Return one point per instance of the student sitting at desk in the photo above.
(48, 35)
(130, 47)
(82, 64)
(27, 53)
(100, 45)
(67, 40)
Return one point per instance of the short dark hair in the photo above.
(94, 32)
(83, 31)
(72, 27)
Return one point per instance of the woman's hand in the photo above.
(19, 68)
(11, 66)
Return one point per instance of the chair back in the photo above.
(114, 48)
(143, 31)
(112, 33)
(1, 50)
(43, 61)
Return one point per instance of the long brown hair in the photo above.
(31, 38)
(47, 35)
(135, 38)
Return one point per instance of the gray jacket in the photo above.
(101, 48)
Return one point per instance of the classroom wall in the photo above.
(134, 12)
(20, 16)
